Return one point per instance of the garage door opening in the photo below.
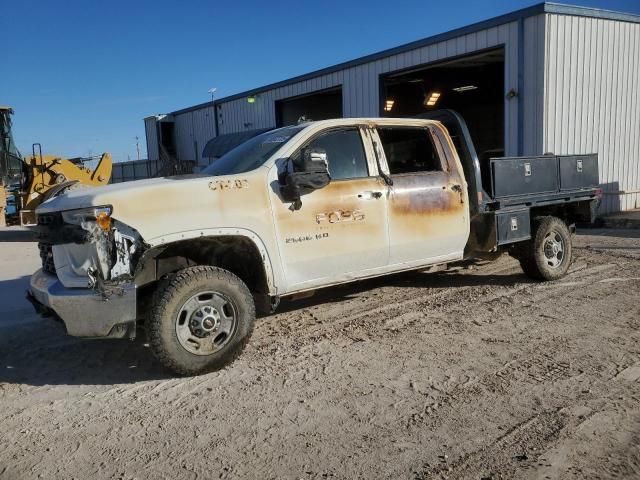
(315, 106)
(472, 85)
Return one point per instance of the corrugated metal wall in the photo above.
(360, 84)
(592, 99)
(193, 130)
(152, 137)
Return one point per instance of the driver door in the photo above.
(340, 231)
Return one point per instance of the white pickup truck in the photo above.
(289, 211)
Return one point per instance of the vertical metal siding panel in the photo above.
(203, 130)
(540, 84)
(151, 135)
(346, 98)
(534, 84)
(227, 115)
(404, 60)
(346, 94)
(450, 46)
(565, 69)
(628, 112)
(374, 90)
(482, 39)
(415, 56)
(461, 44)
(611, 117)
(572, 64)
(588, 90)
(362, 72)
(229, 112)
(511, 81)
(539, 92)
(472, 42)
(620, 94)
(354, 93)
(605, 124)
(627, 102)
(599, 100)
(433, 53)
(635, 157)
(630, 94)
(530, 36)
(556, 52)
(358, 91)
(578, 94)
(550, 84)
(183, 135)
(363, 85)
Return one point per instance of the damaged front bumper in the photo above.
(86, 312)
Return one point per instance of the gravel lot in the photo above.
(471, 373)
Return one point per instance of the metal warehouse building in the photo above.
(549, 78)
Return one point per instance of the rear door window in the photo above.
(409, 150)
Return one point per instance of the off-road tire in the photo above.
(172, 292)
(531, 254)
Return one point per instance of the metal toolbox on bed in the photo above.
(578, 171)
(518, 176)
(524, 175)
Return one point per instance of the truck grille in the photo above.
(46, 254)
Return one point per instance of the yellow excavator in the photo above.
(29, 181)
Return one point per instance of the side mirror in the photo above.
(310, 172)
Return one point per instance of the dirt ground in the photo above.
(474, 373)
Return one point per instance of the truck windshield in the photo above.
(252, 153)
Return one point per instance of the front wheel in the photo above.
(547, 255)
(200, 320)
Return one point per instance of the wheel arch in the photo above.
(241, 252)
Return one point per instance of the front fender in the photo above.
(156, 244)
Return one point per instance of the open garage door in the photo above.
(314, 106)
(472, 85)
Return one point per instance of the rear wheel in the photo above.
(547, 255)
(201, 319)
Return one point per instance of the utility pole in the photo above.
(138, 146)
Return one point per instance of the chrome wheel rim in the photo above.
(206, 323)
(554, 249)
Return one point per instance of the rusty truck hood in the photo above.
(165, 206)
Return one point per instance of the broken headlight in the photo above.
(100, 215)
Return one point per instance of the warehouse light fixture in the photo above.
(251, 99)
(388, 105)
(465, 88)
(431, 99)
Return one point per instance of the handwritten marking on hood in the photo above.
(219, 185)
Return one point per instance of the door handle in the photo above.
(368, 195)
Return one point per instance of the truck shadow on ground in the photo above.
(417, 280)
(36, 351)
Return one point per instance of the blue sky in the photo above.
(81, 75)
